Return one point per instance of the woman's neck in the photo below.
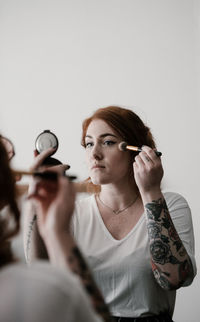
(118, 195)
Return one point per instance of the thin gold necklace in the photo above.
(117, 212)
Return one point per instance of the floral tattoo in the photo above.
(170, 263)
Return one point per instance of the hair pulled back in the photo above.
(125, 123)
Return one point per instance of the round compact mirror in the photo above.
(45, 140)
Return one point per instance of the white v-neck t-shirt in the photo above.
(122, 268)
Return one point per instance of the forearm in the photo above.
(171, 264)
(64, 253)
(34, 247)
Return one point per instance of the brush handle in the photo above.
(156, 152)
(50, 175)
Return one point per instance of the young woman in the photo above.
(43, 292)
(138, 241)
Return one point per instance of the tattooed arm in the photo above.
(34, 247)
(55, 205)
(171, 264)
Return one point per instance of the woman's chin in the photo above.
(99, 181)
(96, 181)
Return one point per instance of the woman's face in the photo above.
(106, 163)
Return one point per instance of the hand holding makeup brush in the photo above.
(148, 172)
(40, 161)
(147, 167)
(54, 202)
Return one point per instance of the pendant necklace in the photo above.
(117, 212)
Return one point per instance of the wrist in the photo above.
(53, 237)
(53, 229)
(59, 247)
(149, 196)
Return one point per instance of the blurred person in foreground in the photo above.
(44, 292)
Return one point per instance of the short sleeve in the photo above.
(181, 216)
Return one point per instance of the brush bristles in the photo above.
(122, 146)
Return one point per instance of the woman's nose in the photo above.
(97, 153)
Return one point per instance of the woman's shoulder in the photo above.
(46, 290)
(85, 201)
(41, 270)
(40, 278)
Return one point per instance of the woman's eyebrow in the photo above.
(102, 135)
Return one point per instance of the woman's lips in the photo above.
(97, 166)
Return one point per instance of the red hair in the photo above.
(125, 123)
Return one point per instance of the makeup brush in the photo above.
(48, 175)
(123, 146)
(83, 186)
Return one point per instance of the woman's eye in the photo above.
(108, 142)
(88, 144)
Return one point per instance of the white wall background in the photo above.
(60, 60)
